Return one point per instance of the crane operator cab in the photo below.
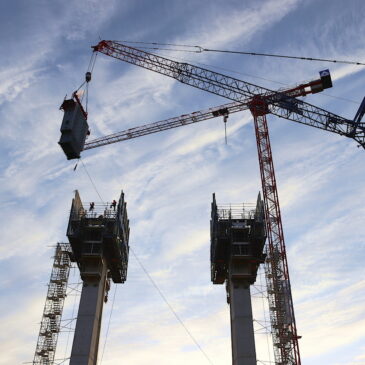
(74, 127)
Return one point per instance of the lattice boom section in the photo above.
(279, 103)
(52, 313)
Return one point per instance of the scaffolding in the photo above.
(52, 313)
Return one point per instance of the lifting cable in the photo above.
(170, 307)
(259, 77)
(239, 73)
(72, 318)
(91, 180)
(154, 284)
(107, 329)
(90, 69)
(115, 290)
(264, 311)
(200, 49)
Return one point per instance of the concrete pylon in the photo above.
(87, 332)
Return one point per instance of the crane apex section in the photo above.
(74, 128)
(99, 236)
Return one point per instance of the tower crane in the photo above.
(260, 101)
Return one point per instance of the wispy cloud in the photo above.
(169, 178)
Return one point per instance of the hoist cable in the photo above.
(87, 96)
(257, 77)
(91, 180)
(80, 87)
(264, 313)
(107, 330)
(90, 69)
(155, 285)
(200, 49)
(159, 44)
(91, 65)
(169, 49)
(228, 70)
(170, 307)
(72, 316)
(285, 56)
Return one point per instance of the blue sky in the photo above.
(168, 178)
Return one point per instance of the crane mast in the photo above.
(282, 319)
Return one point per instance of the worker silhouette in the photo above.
(92, 205)
(113, 204)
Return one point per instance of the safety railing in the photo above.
(236, 211)
(96, 210)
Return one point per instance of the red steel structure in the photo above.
(284, 331)
(260, 101)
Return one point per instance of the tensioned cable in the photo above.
(258, 77)
(92, 182)
(170, 307)
(264, 312)
(222, 68)
(90, 69)
(155, 285)
(200, 49)
(92, 61)
(115, 290)
(159, 44)
(60, 363)
(72, 316)
(107, 330)
(285, 56)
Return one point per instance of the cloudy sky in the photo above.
(169, 178)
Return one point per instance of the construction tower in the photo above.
(236, 251)
(99, 242)
(52, 313)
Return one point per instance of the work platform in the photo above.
(101, 232)
(236, 251)
(99, 236)
(237, 241)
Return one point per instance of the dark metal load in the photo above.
(74, 128)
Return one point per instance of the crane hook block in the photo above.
(88, 76)
(74, 129)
